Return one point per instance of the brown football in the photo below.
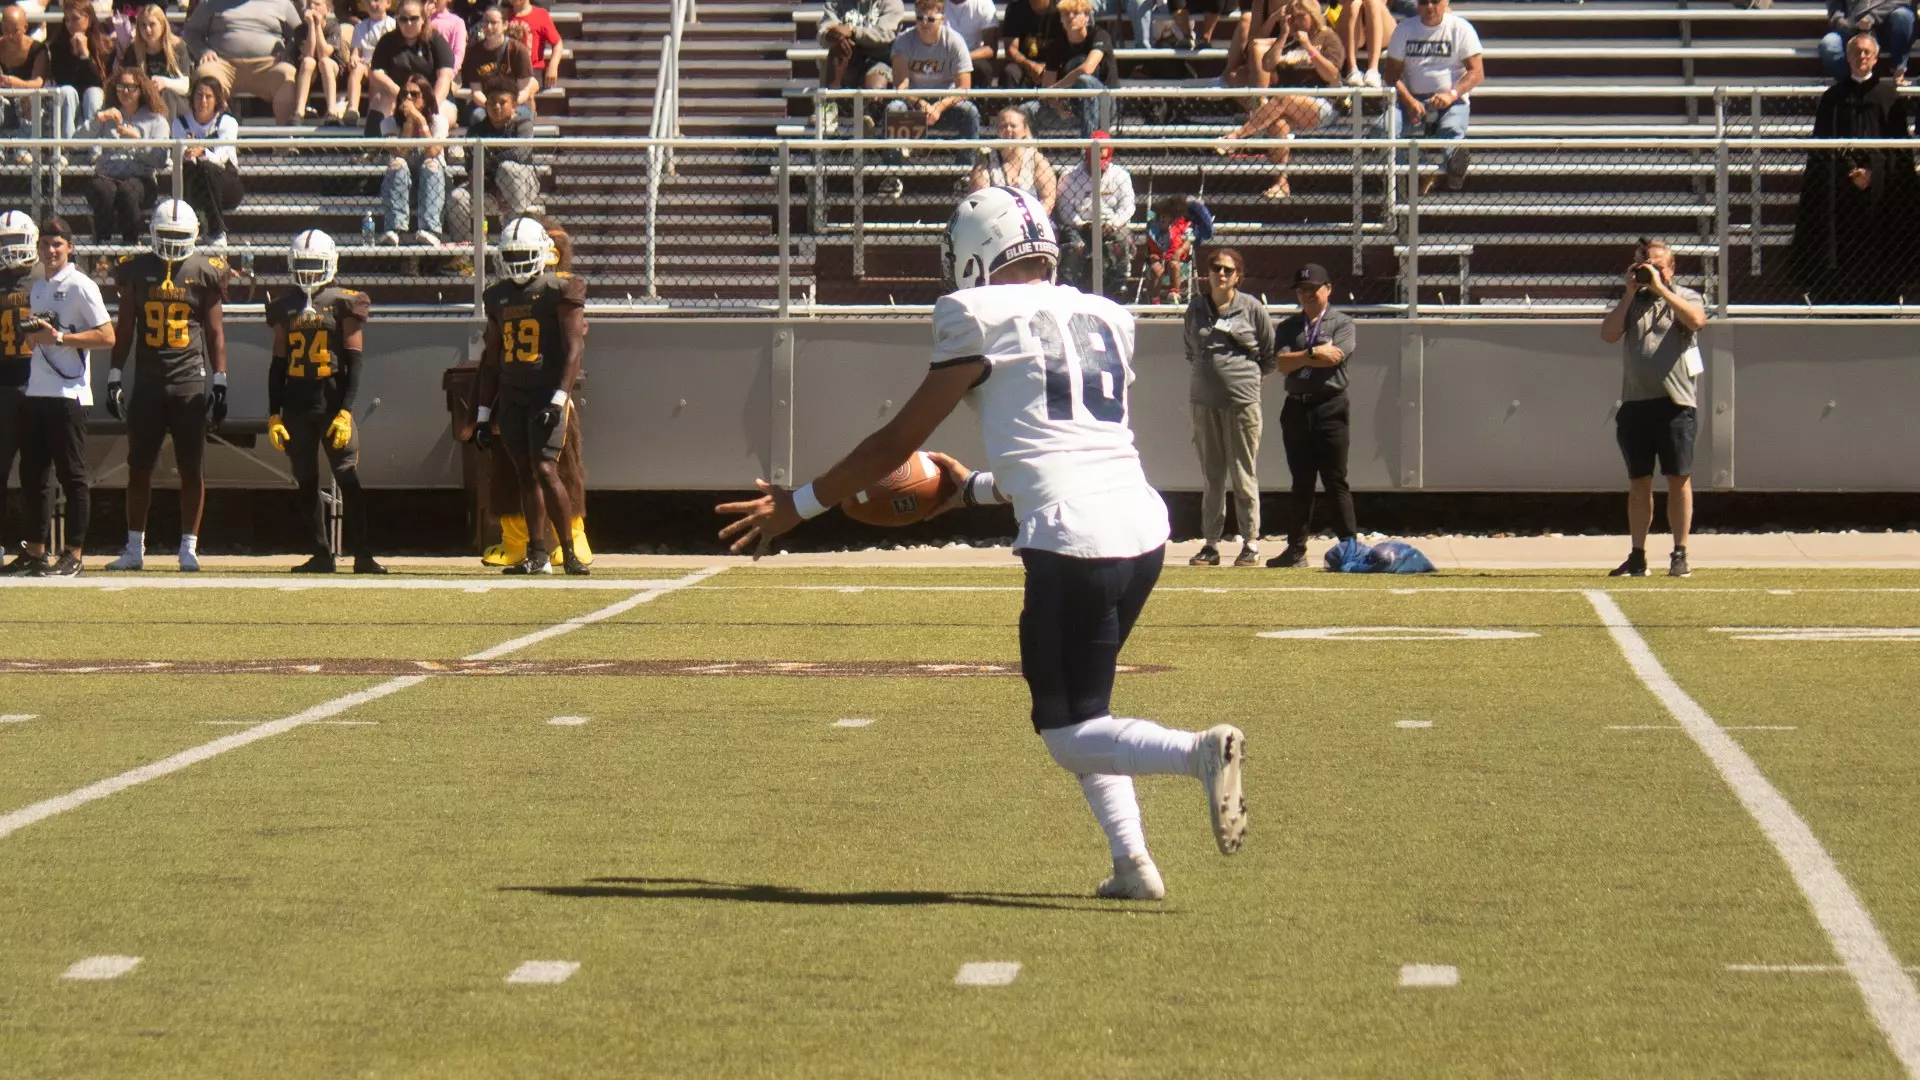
(909, 494)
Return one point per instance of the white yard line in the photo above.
(40, 811)
(1890, 995)
(1662, 590)
(1796, 969)
(282, 583)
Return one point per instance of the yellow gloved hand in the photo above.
(277, 433)
(340, 432)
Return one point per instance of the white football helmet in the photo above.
(175, 230)
(525, 248)
(992, 227)
(19, 240)
(314, 259)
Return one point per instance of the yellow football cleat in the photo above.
(512, 548)
(580, 549)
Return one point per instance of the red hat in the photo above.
(1106, 152)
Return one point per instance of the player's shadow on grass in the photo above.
(623, 888)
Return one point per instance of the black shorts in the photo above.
(1203, 7)
(1656, 428)
(1077, 615)
(526, 439)
(307, 439)
(157, 410)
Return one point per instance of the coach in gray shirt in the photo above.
(1229, 348)
(1315, 346)
(1655, 323)
(243, 43)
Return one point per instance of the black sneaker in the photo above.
(1635, 566)
(1248, 557)
(67, 566)
(530, 565)
(1457, 163)
(575, 568)
(319, 564)
(1676, 566)
(23, 563)
(364, 564)
(1295, 555)
(1206, 556)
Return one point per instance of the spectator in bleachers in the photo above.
(1025, 30)
(211, 180)
(1183, 11)
(1079, 57)
(244, 44)
(511, 181)
(1169, 246)
(1857, 237)
(411, 49)
(79, 55)
(122, 186)
(930, 57)
(314, 46)
(451, 26)
(1891, 22)
(1312, 58)
(1023, 167)
(978, 24)
(163, 57)
(1074, 211)
(1364, 27)
(543, 41)
(414, 189)
(367, 35)
(858, 36)
(1230, 342)
(1434, 63)
(492, 53)
(23, 66)
(1260, 27)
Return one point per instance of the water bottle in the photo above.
(366, 230)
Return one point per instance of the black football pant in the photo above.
(1317, 437)
(55, 439)
(306, 440)
(13, 421)
(1076, 616)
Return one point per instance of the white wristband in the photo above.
(219, 378)
(482, 414)
(807, 503)
(113, 376)
(559, 397)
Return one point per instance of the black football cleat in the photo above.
(1677, 566)
(364, 564)
(1635, 566)
(23, 564)
(318, 564)
(540, 564)
(66, 566)
(576, 568)
(1295, 555)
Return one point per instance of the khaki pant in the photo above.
(1229, 442)
(263, 77)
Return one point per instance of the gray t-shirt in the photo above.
(1228, 350)
(241, 29)
(936, 66)
(1336, 329)
(1655, 350)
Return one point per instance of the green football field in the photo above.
(1503, 825)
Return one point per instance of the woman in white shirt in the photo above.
(414, 190)
(211, 179)
(1023, 167)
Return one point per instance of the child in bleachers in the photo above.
(313, 43)
(360, 54)
(1169, 245)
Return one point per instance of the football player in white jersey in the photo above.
(1047, 369)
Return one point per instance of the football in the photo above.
(910, 493)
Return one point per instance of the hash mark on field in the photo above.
(543, 972)
(567, 721)
(17, 717)
(1413, 723)
(1429, 975)
(989, 973)
(850, 722)
(101, 968)
(1796, 969)
(316, 723)
(1723, 727)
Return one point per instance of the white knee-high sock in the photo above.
(1123, 747)
(1118, 812)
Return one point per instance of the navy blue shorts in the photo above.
(1656, 431)
(1078, 614)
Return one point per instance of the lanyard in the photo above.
(1313, 331)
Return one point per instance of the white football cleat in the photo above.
(189, 562)
(1134, 878)
(1223, 749)
(130, 559)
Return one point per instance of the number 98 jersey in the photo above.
(170, 344)
(314, 341)
(1053, 414)
(528, 319)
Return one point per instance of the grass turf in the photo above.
(752, 891)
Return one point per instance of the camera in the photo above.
(35, 321)
(1643, 274)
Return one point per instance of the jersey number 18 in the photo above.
(1094, 358)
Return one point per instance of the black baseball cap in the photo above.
(56, 226)
(1311, 274)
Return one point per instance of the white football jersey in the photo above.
(1053, 414)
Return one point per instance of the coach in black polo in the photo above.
(1315, 346)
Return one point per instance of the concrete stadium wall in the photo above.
(1447, 405)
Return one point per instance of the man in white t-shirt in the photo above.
(1433, 63)
(978, 24)
(69, 319)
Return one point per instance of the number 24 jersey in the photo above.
(314, 341)
(1053, 414)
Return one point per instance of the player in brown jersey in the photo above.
(311, 385)
(535, 338)
(170, 322)
(18, 239)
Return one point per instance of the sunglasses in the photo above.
(404, 19)
(416, 95)
(929, 18)
(1222, 269)
(130, 87)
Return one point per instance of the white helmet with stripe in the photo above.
(19, 240)
(314, 258)
(525, 249)
(175, 230)
(991, 228)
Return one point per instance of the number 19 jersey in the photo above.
(1053, 414)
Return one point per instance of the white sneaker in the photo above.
(1223, 749)
(1373, 79)
(1356, 77)
(189, 562)
(426, 239)
(1134, 878)
(129, 559)
(389, 239)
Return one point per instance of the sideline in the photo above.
(46, 808)
(472, 583)
(1890, 995)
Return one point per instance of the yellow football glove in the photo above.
(340, 432)
(277, 433)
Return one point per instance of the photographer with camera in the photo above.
(1656, 322)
